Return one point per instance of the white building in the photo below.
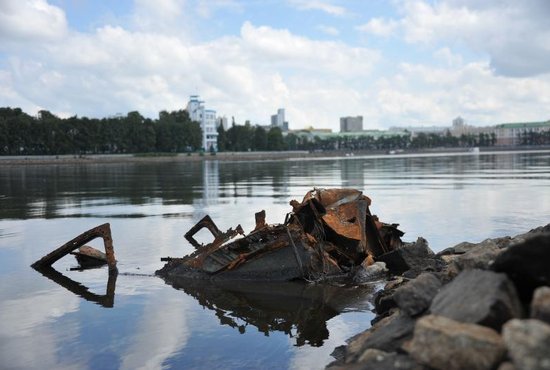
(207, 119)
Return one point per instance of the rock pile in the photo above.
(471, 306)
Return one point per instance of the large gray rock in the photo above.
(540, 305)
(374, 359)
(481, 257)
(371, 273)
(387, 335)
(465, 247)
(415, 297)
(478, 297)
(528, 343)
(527, 264)
(412, 258)
(445, 344)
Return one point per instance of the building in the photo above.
(278, 120)
(351, 124)
(516, 133)
(207, 119)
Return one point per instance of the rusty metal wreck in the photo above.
(329, 235)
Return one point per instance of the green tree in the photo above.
(275, 140)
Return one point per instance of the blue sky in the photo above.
(395, 62)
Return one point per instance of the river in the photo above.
(84, 320)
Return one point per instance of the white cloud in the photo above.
(515, 34)
(329, 30)
(379, 27)
(31, 20)
(205, 8)
(323, 6)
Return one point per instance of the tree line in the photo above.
(45, 133)
(174, 132)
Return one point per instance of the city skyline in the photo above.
(396, 63)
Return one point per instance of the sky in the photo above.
(395, 62)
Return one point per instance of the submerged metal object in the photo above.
(329, 235)
(101, 231)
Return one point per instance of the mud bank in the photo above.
(472, 306)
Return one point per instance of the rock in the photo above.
(465, 247)
(373, 359)
(540, 305)
(387, 335)
(528, 343)
(368, 274)
(415, 297)
(478, 297)
(460, 248)
(527, 264)
(414, 257)
(445, 344)
(506, 366)
(520, 238)
(481, 256)
(384, 302)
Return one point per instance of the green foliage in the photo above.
(21, 134)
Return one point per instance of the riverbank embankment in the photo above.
(236, 156)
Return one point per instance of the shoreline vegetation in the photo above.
(14, 160)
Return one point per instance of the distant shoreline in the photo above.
(237, 156)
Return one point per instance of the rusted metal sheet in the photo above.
(101, 231)
(329, 234)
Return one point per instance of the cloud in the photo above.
(31, 20)
(206, 8)
(329, 30)
(379, 27)
(514, 34)
(323, 6)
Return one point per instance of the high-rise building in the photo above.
(278, 120)
(207, 119)
(351, 124)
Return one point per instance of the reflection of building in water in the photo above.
(211, 181)
(352, 173)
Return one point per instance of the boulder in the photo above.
(415, 297)
(465, 247)
(387, 335)
(528, 343)
(540, 305)
(374, 359)
(506, 366)
(445, 344)
(481, 256)
(413, 258)
(527, 264)
(479, 297)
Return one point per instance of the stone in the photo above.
(371, 273)
(506, 366)
(481, 256)
(528, 343)
(526, 264)
(373, 359)
(387, 335)
(415, 297)
(520, 238)
(414, 257)
(445, 344)
(478, 297)
(540, 305)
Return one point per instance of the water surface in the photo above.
(83, 320)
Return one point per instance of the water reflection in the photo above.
(106, 300)
(297, 309)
